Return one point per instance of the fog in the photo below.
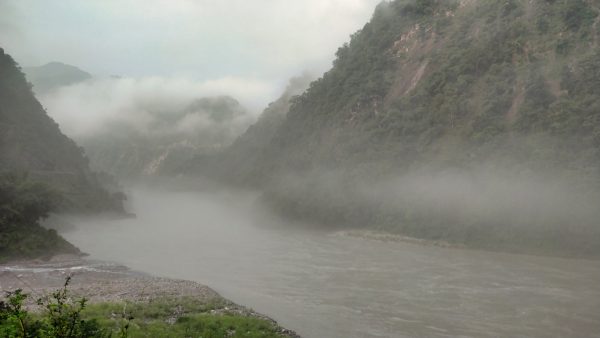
(488, 206)
(348, 242)
(245, 50)
(90, 107)
(492, 195)
(324, 283)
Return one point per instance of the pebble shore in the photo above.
(102, 282)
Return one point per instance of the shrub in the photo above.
(61, 317)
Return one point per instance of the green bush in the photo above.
(61, 318)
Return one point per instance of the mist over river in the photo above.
(323, 284)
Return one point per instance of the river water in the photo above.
(324, 284)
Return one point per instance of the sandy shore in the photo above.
(103, 282)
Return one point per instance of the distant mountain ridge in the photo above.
(54, 75)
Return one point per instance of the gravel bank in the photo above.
(102, 282)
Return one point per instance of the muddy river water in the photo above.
(324, 284)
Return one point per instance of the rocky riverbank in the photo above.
(102, 282)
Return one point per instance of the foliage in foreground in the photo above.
(23, 203)
(181, 318)
(61, 316)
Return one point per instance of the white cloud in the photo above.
(202, 39)
(86, 108)
(169, 52)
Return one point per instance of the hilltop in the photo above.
(54, 75)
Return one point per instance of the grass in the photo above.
(60, 315)
(180, 317)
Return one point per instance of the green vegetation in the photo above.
(504, 87)
(61, 316)
(181, 318)
(23, 203)
(30, 141)
(242, 158)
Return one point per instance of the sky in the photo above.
(261, 43)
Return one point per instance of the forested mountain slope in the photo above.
(172, 139)
(429, 79)
(238, 163)
(469, 121)
(32, 142)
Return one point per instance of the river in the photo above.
(323, 284)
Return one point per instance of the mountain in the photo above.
(169, 140)
(54, 75)
(425, 77)
(150, 136)
(30, 141)
(239, 158)
(23, 203)
(468, 121)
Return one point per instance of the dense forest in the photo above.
(489, 102)
(41, 171)
(30, 141)
(23, 204)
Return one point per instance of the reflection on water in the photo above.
(327, 285)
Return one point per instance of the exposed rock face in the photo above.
(171, 140)
(447, 83)
(507, 88)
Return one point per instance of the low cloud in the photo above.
(456, 200)
(88, 108)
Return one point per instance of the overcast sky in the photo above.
(264, 42)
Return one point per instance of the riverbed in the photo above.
(327, 284)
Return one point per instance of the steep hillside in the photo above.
(169, 140)
(23, 204)
(425, 78)
(144, 136)
(438, 106)
(32, 142)
(54, 75)
(240, 158)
